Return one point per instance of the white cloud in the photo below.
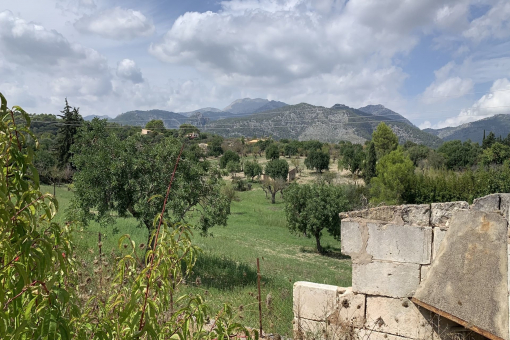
(286, 46)
(127, 69)
(33, 46)
(116, 23)
(497, 101)
(494, 24)
(450, 88)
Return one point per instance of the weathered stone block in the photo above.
(438, 238)
(351, 309)
(468, 280)
(398, 317)
(384, 213)
(351, 237)
(337, 305)
(424, 271)
(504, 205)
(385, 278)
(489, 203)
(416, 214)
(314, 301)
(408, 244)
(440, 213)
(320, 330)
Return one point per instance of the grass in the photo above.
(226, 270)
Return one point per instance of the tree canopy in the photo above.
(71, 121)
(272, 152)
(311, 208)
(384, 139)
(277, 168)
(317, 160)
(155, 124)
(128, 177)
(229, 156)
(394, 178)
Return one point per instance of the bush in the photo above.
(241, 185)
(229, 156)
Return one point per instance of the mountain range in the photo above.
(498, 124)
(305, 122)
(262, 117)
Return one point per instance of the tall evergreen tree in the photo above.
(489, 140)
(370, 164)
(71, 121)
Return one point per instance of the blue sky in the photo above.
(438, 62)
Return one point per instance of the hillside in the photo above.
(379, 110)
(249, 106)
(306, 122)
(499, 124)
(90, 117)
(172, 120)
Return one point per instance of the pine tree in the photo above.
(71, 121)
(370, 164)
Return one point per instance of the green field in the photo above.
(226, 270)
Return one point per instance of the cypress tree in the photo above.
(71, 121)
(370, 164)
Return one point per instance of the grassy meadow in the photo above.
(226, 269)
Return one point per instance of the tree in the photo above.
(272, 152)
(71, 121)
(233, 167)
(489, 140)
(497, 153)
(317, 160)
(395, 174)
(277, 168)
(311, 208)
(214, 147)
(290, 149)
(229, 156)
(370, 164)
(252, 169)
(127, 177)
(459, 155)
(155, 124)
(384, 139)
(273, 186)
(185, 129)
(353, 157)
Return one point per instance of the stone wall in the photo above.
(393, 248)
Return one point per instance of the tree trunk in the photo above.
(318, 242)
(273, 194)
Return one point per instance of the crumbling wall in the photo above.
(392, 250)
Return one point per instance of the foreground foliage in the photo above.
(40, 292)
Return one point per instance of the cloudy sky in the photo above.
(438, 62)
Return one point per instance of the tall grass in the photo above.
(226, 269)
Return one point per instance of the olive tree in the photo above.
(311, 208)
(317, 160)
(127, 178)
(277, 170)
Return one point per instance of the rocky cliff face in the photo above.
(306, 122)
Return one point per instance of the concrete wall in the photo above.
(392, 250)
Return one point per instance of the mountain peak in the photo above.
(339, 107)
(380, 110)
(249, 105)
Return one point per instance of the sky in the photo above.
(437, 62)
